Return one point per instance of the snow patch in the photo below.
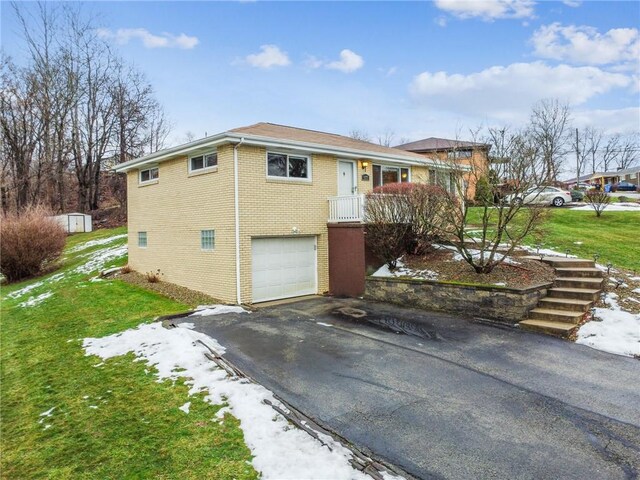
(279, 451)
(402, 270)
(613, 207)
(185, 407)
(93, 243)
(617, 331)
(204, 310)
(98, 259)
(324, 324)
(34, 301)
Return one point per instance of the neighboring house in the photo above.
(448, 151)
(261, 212)
(631, 175)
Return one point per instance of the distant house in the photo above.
(262, 212)
(631, 175)
(446, 150)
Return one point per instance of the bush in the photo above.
(29, 243)
(404, 218)
(154, 277)
(598, 200)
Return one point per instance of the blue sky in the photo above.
(415, 68)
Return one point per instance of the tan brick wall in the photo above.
(274, 207)
(178, 206)
(172, 212)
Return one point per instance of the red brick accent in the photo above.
(346, 259)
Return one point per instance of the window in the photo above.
(443, 179)
(202, 162)
(142, 239)
(207, 239)
(382, 175)
(282, 165)
(149, 174)
(453, 154)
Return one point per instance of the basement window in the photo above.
(149, 175)
(203, 162)
(207, 239)
(142, 239)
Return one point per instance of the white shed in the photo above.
(74, 222)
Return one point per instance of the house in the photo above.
(631, 175)
(446, 151)
(261, 212)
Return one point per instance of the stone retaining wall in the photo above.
(508, 305)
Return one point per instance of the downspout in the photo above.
(236, 207)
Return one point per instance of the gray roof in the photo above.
(629, 170)
(434, 144)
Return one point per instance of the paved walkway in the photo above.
(464, 400)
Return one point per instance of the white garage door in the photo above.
(283, 267)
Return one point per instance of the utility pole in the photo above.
(577, 160)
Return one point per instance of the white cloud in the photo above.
(122, 36)
(507, 93)
(269, 56)
(583, 44)
(572, 3)
(349, 62)
(487, 9)
(621, 120)
(312, 62)
(441, 21)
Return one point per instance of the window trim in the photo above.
(308, 158)
(151, 180)
(204, 168)
(213, 240)
(146, 239)
(399, 169)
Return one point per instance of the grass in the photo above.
(137, 430)
(615, 236)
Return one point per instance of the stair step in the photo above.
(578, 282)
(562, 262)
(556, 315)
(591, 294)
(579, 272)
(571, 304)
(559, 329)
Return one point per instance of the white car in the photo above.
(541, 196)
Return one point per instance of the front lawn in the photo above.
(615, 236)
(67, 415)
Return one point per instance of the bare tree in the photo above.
(498, 228)
(598, 200)
(550, 129)
(592, 145)
(609, 152)
(386, 138)
(360, 135)
(629, 151)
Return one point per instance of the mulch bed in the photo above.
(527, 273)
(174, 292)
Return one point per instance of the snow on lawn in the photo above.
(279, 451)
(614, 207)
(93, 243)
(33, 301)
(402, 270)
(616, 331)
(99, 258)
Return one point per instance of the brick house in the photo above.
(260, 212)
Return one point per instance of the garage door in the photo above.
(283, 267)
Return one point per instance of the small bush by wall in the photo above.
(29, 243)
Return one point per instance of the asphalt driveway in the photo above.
(455, 399)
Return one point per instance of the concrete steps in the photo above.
(577, 286)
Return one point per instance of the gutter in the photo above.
(270, 143)
(236, 207)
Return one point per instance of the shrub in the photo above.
(154, 277)
(484, 192)
(598, 201)
(404, 218)
(126, 269)
(29, 243)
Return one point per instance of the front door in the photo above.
(346, 178)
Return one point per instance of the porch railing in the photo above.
(346, 208)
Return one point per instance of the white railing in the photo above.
(346, 208)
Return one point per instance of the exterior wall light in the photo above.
(365, 164)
